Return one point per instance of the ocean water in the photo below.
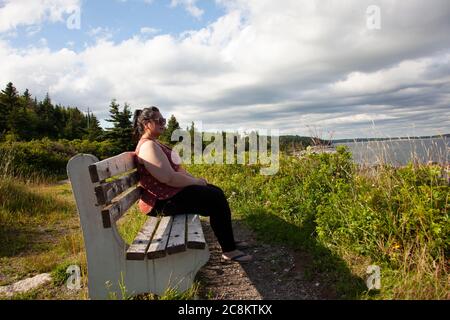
(401, 152)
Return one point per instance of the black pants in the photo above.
(206, 201)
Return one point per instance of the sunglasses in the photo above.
(160, 121)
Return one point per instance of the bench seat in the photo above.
(160, 236)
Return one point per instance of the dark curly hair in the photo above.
(140, 119)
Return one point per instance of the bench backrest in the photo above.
(116, 196)
(100, 203)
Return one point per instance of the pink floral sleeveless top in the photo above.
(153, 189)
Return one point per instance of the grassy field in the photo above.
(40, 233)
(343, 217)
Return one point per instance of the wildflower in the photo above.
(232, 195)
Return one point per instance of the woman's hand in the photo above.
(202, 182)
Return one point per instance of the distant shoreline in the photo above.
(390, 139)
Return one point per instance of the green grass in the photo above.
(39, 231)
(170, 294)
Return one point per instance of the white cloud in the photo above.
(43, 42)
(190, 6)
(149, 30)
(100, 33)
(265, 65)
(32, 30)
(16, 13)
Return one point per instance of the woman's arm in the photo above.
(183, 170)
(156, 162)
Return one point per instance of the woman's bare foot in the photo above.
(237, 255)
(241, 244)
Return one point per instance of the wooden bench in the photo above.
(166, 253)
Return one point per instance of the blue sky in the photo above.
(359, 68)
(119, 19)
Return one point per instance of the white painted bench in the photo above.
(166, 253)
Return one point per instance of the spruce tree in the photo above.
(19, 124)
(172, 125)
(3, 115)
(9, 101)
(94, 131)
(122, 131)
(76, 124)
(10, 96)
(27, 97)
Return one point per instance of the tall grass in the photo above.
(396, 218)
(38, 225)
(45, 160)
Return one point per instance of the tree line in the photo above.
(24, 118)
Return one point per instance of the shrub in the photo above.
(46, 159)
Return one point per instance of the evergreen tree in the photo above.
(172, 125)
(122, 131)
(10, 96)
(19, 124)
(9, 101)
(27, 98)
(60, 120)
(76, 124)
(43, 111)
(3, 116)
(94, 131)
(191, 131)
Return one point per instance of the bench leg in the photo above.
(171, 272)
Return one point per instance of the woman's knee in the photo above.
(216, 188)
(209, 192)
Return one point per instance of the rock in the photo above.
(25, 285)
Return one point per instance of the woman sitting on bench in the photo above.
(171, 190)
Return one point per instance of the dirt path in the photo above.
(276, 272)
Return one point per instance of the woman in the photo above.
(170, 189)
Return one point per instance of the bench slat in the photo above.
(140, 244)
(195, 236)
(177, 238)
(106, 192)
(115, 210)
(157, 248)
(112, 166)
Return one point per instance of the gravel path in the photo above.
(276, 272)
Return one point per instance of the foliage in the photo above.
(323, 203)
(122, 131)
(27, 119)
(172, 125)
(46, 159)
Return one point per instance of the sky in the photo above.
(333, 68)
